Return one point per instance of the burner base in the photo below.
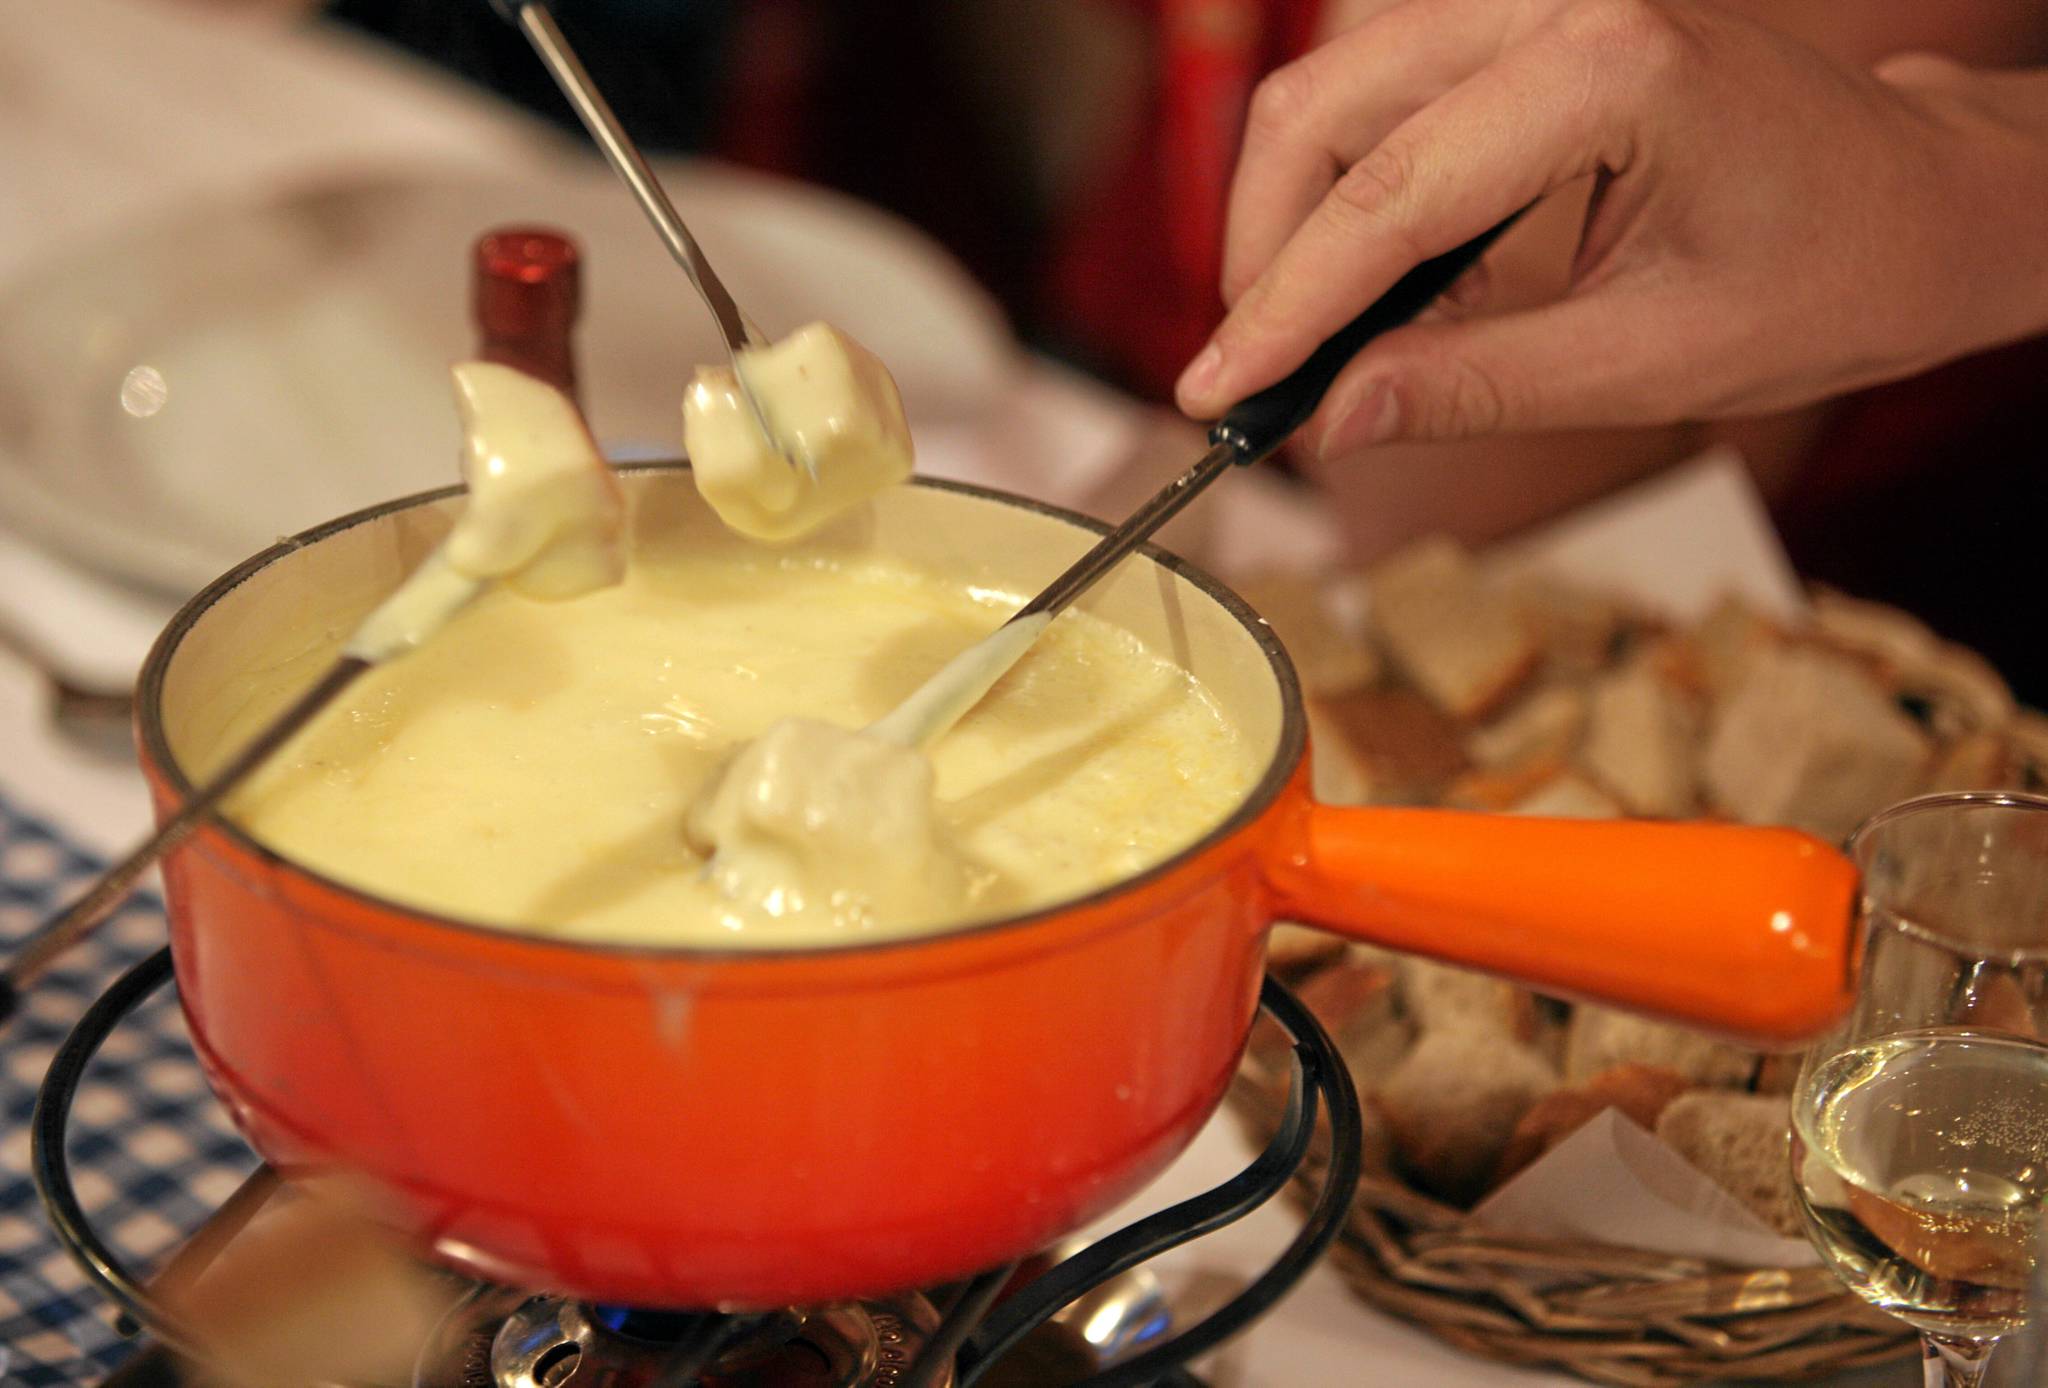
(495, 1338)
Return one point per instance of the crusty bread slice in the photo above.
(1727, 642)
(1600, 1038)
(1442, 997)
(1403, 748)
(1743, 1143)
(1453, 1102)
(1640, 735)
(1957, 689)
(1640, 1092)
(1544, 726)
(1465, 643)
(1329, 658)
(1296, 947)
(2027, 737)
(1570, 796)
(1496, 791)
(1974, 761)
(1355, 1002)
(1338, 772)
(1778, 1072)
(1577, 628)
(1813, 741)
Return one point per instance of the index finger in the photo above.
(1314, 117)
(1495, 143)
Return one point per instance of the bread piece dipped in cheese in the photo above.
(828, 400)
(543, 518)
(544, 511)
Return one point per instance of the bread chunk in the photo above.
(1578, 628)
(1495, 791)
(1453, 1103)
(1812, 741)
(1778, 1072)
(2027, 737)
(1726, 644)
(1956, 689)
(1542, 727)
(1869, 628)
(1640, 1092)
(1355, 1002)
(1329, 658)
(1570, 796)
(1296, 947)
(1338, 774)
(1743, 1143)
(1465, 644)
(1403, 749)
(1639, 741)
(1443, 997)
(1601, 1038)
(1974, 761)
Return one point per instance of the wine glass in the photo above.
(1920, 1123)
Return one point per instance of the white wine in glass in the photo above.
(1920, 1125)
(1918, 1159)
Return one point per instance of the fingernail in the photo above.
(1371, 415)
(1196, 381)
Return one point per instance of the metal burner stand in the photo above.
(978, 1323)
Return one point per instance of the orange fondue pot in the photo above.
(686, 1127)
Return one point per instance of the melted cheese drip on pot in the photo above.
(543, 514)
(534, 766)
(829, 400)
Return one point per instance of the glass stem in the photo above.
(1954, 1363)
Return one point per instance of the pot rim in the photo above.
(1288, 751)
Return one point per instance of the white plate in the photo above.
(302, 347)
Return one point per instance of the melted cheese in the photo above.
(543, 513)
(832, 404)
(535, 766)
(817, 823)
(811, 812)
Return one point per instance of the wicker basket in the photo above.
(1611, 1315)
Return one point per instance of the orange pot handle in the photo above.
(1744, 931)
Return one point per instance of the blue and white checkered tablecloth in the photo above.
(152, 1154)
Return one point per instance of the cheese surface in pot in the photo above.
(534, 765)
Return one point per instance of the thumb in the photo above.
(1573, 364)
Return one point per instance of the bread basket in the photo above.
(1464, 686)
(1607, 1314)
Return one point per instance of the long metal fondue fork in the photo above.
(533, 19)
(1254, 427)
(1251, 430)
(439, 593)
(73, 923)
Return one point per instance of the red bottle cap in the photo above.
(526, 291)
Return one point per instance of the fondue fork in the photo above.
(533, 19)
(1251, 430)
(72, 924)
(437, 593)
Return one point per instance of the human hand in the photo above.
(1766, 228)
